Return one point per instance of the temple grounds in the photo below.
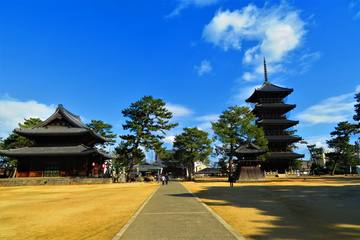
(307, 208)
(69, 212)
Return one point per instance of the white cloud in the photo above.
(275, 32)
(330, 110)
(169, 139)
(319, 141)
(354, 7)
(183, 4)
(243, 93)
(204, 67)
(178, 110)
(306, 61)
(204, 122)
(13, 112)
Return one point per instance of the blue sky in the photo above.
(200, 56)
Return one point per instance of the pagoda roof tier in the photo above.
(283, 155)
(283, 138)
(70, 125)
(79, 150)
(277, 122)
(279, 107)
(269, 88)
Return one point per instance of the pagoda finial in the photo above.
(265, 72)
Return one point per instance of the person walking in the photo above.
(166, 179)
(231, 180)
(163, 179)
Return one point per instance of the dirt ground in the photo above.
(306, 208)
(69, 212)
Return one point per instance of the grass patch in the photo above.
(69, 212)
(307, 208)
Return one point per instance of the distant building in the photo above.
(270, 110)
(198, 166)
(63, 146)
(248, 162)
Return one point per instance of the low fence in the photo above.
(28, 181)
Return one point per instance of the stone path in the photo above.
(174, 213)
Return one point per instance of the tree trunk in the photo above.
(129, 171)
(231, 161)
(333, 170)
(192, 168)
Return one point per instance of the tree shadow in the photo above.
(297, 212)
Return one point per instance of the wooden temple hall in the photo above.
(270, 110)
(62, 146)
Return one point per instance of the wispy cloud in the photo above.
(178, 110)
(319, 141)
(243, 93)
(307, 60)
(204, 122)
(169, 139)
(205, 67)
(275, 31)
(183, 4)
(330, 110)
(354, 7)
(13, 112)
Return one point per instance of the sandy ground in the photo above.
(69, 212)
(310, 208)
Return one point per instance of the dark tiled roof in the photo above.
(148, 167)
(250, 148)
(53, 151)
(51, 131)
(283, 138)
(284, 155)
(274, 106)
(268, 87)
(73, 119)
(285, 122)
(209, 171)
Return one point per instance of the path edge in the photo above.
(227, 226)
(134, 216)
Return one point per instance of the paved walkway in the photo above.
(173, 213)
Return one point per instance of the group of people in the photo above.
(164, 179)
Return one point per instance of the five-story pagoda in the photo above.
(270, 110)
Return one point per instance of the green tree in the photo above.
(103, 129)
(343, 152)
(192, 145)
(14, 140)
(147, 121)
(316, 153)
(236, 126)
(357, 125)
(167, 157)
(357, 107)
(124, 156)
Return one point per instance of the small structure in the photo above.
(62, 146)
(198, 166)
(248, 162)
(209, 171)
(148, 169)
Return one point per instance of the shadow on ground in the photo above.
(298, 212)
